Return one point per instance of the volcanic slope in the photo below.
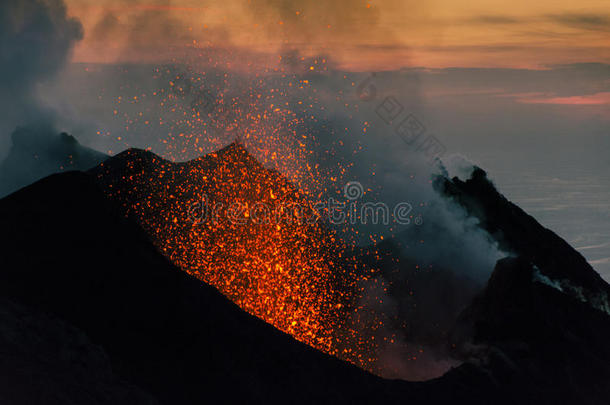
(72, 264)
(71, 259)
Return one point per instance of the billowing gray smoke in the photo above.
(429, 269)
(36, 38)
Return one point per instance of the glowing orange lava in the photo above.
(260, 243)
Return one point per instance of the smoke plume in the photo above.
(36, 38)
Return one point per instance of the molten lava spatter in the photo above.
(244, 229)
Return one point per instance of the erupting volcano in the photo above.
(264, 202)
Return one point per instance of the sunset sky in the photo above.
(354, 34)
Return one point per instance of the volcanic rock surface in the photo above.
(521, 234)
(133, 328)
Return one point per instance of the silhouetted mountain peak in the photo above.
(235, 147)
(136, 159)
(235, 154)
(521, 234)
(68, 139)
(38, 151)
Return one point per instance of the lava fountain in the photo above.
(229, 221)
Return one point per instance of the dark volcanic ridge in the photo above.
(133, 328)
(555, 262)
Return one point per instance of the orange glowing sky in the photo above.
(354, 34)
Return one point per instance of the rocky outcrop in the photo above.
(521, 234)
